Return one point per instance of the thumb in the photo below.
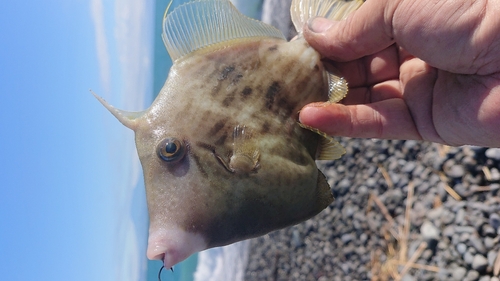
(364, 32)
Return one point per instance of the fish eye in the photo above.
(171, 149)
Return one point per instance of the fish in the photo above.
(223, 154)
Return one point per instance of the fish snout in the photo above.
(173, 245)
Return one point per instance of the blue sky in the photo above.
(71, 202)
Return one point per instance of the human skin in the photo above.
(423, 70)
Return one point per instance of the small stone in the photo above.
(429, 231)
(494, 220)
(443, 244)
(488, 231)
(296, 239)
(459, 217)
(479, 263)
(472, 275)
(485, 278)
(489, 243)
(468, 258)
(435, 213)
(447, 217)
(343, 186)
(458, 274)
(427, 254)
(495, 174)
(371, 182)
(492, 256)
(363, 237)
(493, 153)
(346, 238)
(477, 243)
(408, 277)
(442, 274)
(461, 248)
(464, 229)
(464, 237)
(462, 190)
(409, 167)
(448, 231)
(455, 171)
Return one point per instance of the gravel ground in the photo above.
(454, 234)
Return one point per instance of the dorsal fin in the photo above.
(202, 23)
(329, 148)
(302, 10)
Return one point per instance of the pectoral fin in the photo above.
(245, 157)
(338, 88)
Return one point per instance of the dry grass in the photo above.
(448, 188)
(397, 263)
(386, 176)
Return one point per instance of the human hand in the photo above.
(423, 70)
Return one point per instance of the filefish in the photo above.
(223, 154)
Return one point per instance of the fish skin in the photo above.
(237, 164)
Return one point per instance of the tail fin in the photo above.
(302, 10)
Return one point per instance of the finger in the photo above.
(371, 69)
(363, 95)
(365, 32)
(388, 119)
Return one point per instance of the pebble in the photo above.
(479, 263)
(464, 229)
(459, 273)
(435, 213)
(346, 238)
(462, 190)
(461, 248)
(493, 153)
(488, 231)
(448, 231)
(472, 275)
(429, 231)
(495, 174)
(489, 243)
(492, 255)
(494, 220)
(455, 171)
(477, 243)
(468, 257)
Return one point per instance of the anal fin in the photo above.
(329, 148)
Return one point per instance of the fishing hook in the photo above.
(159, 273)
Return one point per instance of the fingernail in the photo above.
(319, 24)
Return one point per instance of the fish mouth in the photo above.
(173, 245)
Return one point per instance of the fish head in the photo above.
(169, 185)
